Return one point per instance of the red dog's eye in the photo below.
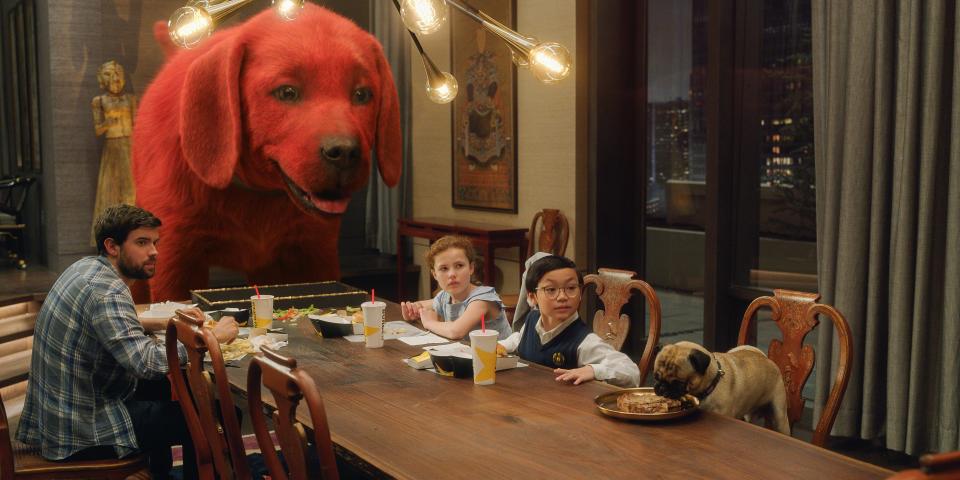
(362, 96)
(286, 93)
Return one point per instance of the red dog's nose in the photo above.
(341, 152)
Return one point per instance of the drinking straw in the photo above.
(255, 289)
(483, 324)
(373, 297)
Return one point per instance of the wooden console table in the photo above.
(485, 237)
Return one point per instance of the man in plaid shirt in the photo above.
(90, 351)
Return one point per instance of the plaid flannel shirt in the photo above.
(89, 349)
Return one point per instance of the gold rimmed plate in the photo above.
(607, 404)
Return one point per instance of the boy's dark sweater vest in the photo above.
(560, 352)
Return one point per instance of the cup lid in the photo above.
(484, 333)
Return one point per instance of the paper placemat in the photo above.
(426, 338)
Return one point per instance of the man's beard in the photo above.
(132, 271)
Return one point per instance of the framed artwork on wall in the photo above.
(484, 124)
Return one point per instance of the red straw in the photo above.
(373, 297)
(255, 289)
(483, 324)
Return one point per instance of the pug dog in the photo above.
(740, 383)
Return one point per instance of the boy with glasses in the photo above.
(553, 334)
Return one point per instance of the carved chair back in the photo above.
(615, 287)
(200, 393)
(553, 234)
(796, 315)
(289, 385)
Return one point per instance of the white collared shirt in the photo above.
(608, 364)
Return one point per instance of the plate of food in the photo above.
(644, 405)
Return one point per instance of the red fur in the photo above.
(211, 141)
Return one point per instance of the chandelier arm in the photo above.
(434, 75)
(508, 35)
(221, 10)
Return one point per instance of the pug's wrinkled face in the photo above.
(679, 370)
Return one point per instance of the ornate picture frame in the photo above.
(484, 123)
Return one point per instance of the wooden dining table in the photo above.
(395, 421)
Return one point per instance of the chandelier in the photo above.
(549, 62)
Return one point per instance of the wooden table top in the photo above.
(416, 424)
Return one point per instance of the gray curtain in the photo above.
(887, 132)
(386, 205)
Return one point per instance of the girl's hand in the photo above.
(577, 375)
(410, 310)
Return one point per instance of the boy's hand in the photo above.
(410, 310)
(577, 375)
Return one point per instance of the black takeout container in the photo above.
(242, 316)
(331, 329)
(458, 367)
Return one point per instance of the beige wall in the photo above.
(546, 130)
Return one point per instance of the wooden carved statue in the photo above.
(113, 113)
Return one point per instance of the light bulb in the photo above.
(519, 59)
(423, 16)
(189, 25)
(550, 62)
(442, 90)
(288, 9)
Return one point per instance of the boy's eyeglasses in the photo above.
(571, 291)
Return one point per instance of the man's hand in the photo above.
(577, 375)
(226, 329)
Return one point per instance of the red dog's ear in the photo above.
(389, 147)
(162, 36)
(210, 117)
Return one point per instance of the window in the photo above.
(785, 228)
(19, 105)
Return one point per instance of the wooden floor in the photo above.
(35, 279)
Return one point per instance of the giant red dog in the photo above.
(249, 147)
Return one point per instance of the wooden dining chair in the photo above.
(551, 236)
(289, 385)
(549, 232)
(19, 462)
(934, 466)
(215, 432)
(796, 315)
(615, 287)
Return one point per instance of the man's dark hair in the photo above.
(546, 265)
(118, 221)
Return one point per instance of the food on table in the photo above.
(501, 351)
(293, 313)
(646, 402)
(236, 350)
